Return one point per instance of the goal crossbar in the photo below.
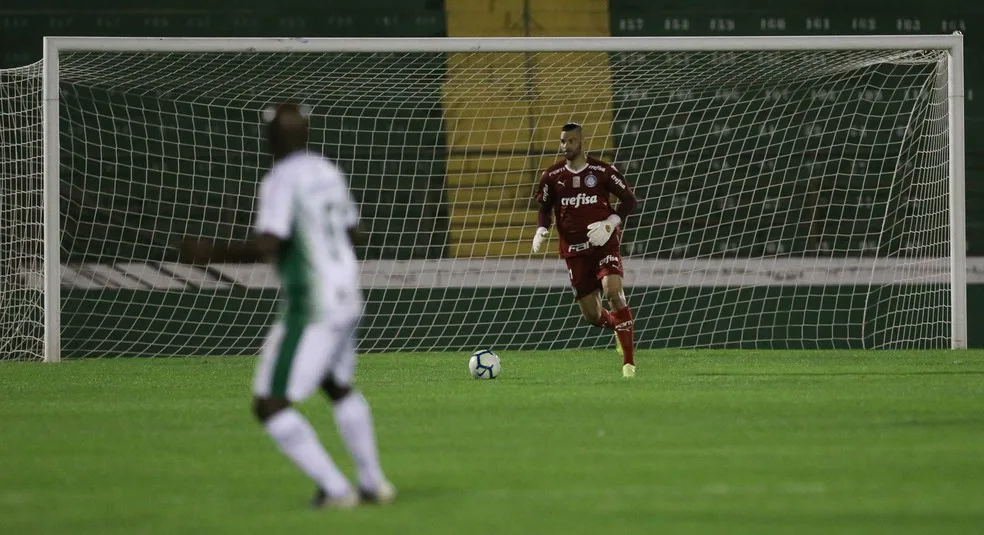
(504, 44)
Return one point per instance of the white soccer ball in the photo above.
(484, 364)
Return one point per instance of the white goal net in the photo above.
(788, 198)
(21, 219)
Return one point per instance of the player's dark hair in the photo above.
(570, 127)
(287, 132)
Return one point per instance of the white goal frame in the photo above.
(53, 46)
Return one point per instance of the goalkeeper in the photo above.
(577, 190)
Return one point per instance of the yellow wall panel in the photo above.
(489, 133)
(486, 164)
(485, 18)
(587, 18)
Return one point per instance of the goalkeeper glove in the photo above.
(600, 232)
(539, 238)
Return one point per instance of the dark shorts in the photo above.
(586, 271)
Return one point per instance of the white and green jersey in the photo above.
(305, 201)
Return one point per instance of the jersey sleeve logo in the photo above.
(590, 181)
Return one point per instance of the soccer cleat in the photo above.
(382, 495)
(321, 500)
(628, 370)
(618, 345)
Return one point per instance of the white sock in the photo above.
(354, 421)
(298, 441)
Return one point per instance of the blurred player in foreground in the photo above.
(576, 190)
(305, 226)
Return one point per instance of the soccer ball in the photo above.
(484, 364)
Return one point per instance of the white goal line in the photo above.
(528, 273)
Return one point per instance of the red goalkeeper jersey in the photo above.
(579, 197)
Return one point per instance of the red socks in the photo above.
(606, 321)
(622, 323)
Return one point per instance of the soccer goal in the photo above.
(796, 192)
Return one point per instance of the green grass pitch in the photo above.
(699, 442)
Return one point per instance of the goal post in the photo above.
(51, 274)
(442, 139)
(957, 194)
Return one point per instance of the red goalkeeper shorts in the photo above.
(586, 271)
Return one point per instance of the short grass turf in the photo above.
(699, 442)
